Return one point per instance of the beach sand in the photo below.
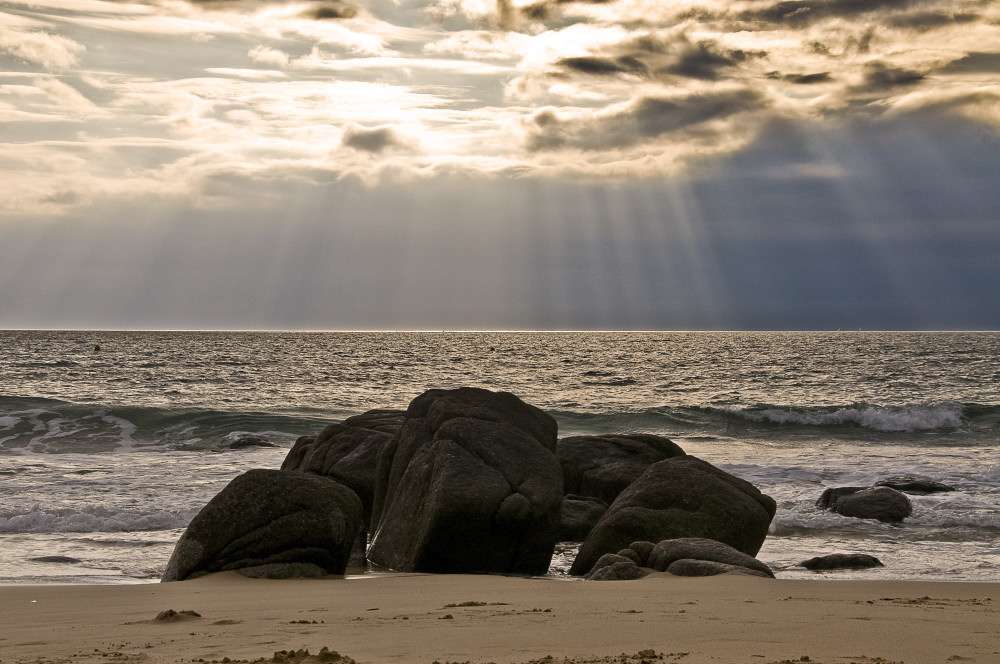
(728, 619)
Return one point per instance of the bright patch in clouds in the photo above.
(218, 105)
(632, 87)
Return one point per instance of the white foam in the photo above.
(916, 418)
(92, 520)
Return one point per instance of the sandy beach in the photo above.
(726, 619)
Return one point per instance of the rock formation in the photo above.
(681, 497)
(471, 484)
(270, 523)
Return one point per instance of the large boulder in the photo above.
(603, 466)
(681, 497)
(880, 502)
(346, 452)
(268, 522)
(471, 484)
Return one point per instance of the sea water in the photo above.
(110, 442)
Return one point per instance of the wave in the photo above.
(878, 418)
(52, 426)
(956, 420)
(94, 519)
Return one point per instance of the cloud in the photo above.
(797, 13)
(922, 21)
(268, 56)
(374, 140)
(659, 56)
(974, 62)
(879, 76)
(53, 52)
(645, 119)
(803, 79)
(597, 66)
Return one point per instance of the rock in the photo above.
(830, 496)
(69, 560)
(633, 556)
(245, 441)
(879, 502)
(620, 571)
(609, 559)
(665, 553)
(914, 484)
(603, 466)
(579, 516)
(386, 420)
(266, 517)
(642, 551)
(842, 561)
(345, 453)
(681, 497)
(691, 567)
(471, 484)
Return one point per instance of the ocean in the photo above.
(110, 442)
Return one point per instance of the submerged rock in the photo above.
(879, 502)
(842, 561)
(914, 484)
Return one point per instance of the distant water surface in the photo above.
(111, 441)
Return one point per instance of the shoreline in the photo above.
(416, 618)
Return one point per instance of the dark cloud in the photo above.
(645, 119)
(797, 13)
(802, 79)
(704, 60)
(322, 10)
(604, 66)
(373, 140)
(333, 10)
(880, 76)
(924, 21)
(658, 57)
(974, 63)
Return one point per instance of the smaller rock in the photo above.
(642, 549)
(692, 567)
(880, 502)
(55, 559)
(620, 571)
(633, 556)
(830, 496)
(665, 553)
(842, 561)
(915, 484)
(243, 442)
(609, 559)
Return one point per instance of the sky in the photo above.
(500, 164)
